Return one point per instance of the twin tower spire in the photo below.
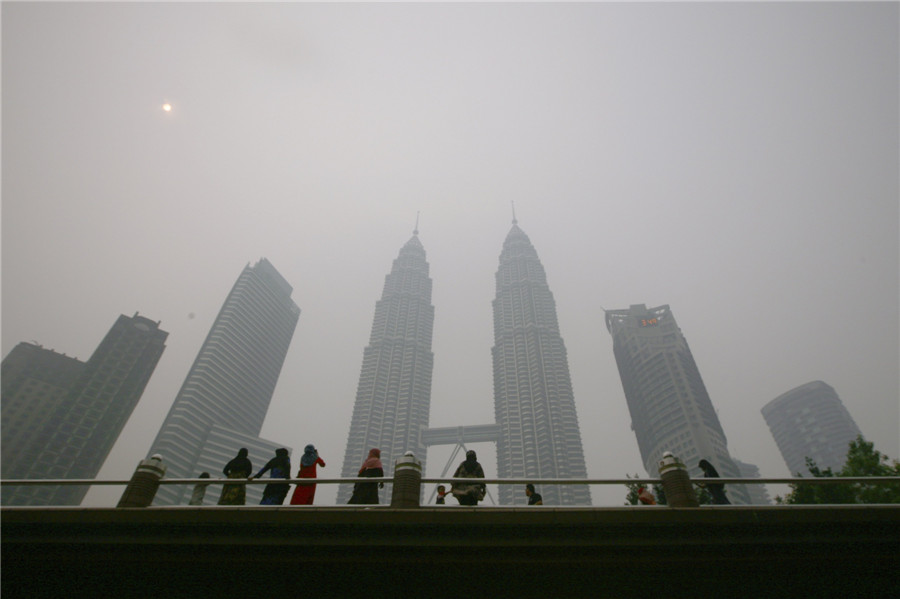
(534, 405)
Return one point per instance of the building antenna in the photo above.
(416, 230)
(515, 222)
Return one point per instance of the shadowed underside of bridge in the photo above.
(609, 552)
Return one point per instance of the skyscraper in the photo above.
(810, 421)
(759, 495)
(75, 430)
(669, 405)
(231, 382)
(393, 397)
(533, 400)
(33, 383)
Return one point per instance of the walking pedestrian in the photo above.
(717, 491)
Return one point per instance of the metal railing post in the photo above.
(407, 482)
(144, 483)
(676, 482)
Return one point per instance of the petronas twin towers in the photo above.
(536, 427)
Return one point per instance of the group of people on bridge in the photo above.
(365, 493)
(274, 493)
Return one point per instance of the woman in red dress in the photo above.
(304, 494)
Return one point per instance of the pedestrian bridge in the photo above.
(450, 551)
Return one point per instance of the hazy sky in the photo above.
(738, 162)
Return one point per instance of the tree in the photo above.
(862, 460)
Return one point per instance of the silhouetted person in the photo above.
(717, 491)
(469, 494)
(441, 494)
(280, 467)
(367, 493)
(533, 498)
(239, 467)
(199, 491)
(305, 494)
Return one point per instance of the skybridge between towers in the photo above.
(459, 436)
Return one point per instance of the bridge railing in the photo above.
(879, 480)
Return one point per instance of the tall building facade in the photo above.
(230, 385)
(810, 421)
(534, 404)
(393, 397)
(33, 382)
(669, 405)
(75, 430)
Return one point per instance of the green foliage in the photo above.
(703, 495)
(862, 460)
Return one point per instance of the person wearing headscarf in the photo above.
(239, 467)
(469, 494)
(280, 467)
(304, 494)
(717, 491)
(367, 493)
(199, 491)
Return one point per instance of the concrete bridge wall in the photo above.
(451, 551)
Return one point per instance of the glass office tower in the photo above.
(810, 421)
(231, 382)
(669, 405)
(74, 430)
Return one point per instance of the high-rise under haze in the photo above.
(33, 382)
(670, 407)
(393, 397)
(227, 391)
(758, 493)
(810, 421)
(534, 403)
(63, 417)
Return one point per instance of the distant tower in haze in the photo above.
(810, 421)
(669, 405)
(63, 417)
(393, 397)
(533, 400)
(33, 383)
(224, 399)
(759, 495)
